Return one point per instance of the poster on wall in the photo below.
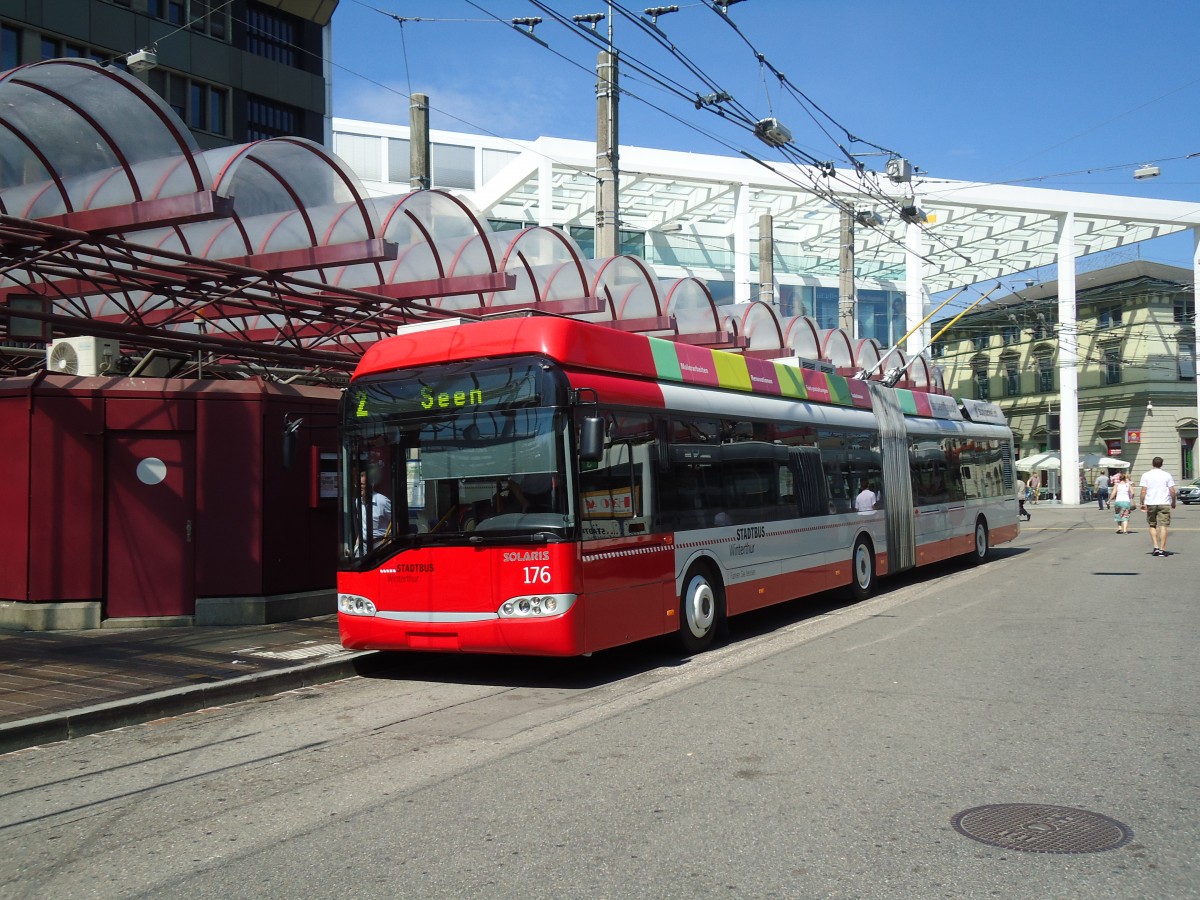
(1133, 437)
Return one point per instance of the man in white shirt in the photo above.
(866, 500)
(375, 513)
(1158, 499)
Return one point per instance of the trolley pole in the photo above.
(607, 155)
(419, 174)
(846, 274)
(766, 258)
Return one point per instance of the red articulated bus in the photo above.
(546, 486)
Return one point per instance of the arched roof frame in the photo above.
(759, 323)
(549, 269)
(802, 337)
(102, 140)
(837, 348)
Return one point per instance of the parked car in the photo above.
(1190, 493)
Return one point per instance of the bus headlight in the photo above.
(535, 605)
(354, 605)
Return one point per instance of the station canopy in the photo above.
(271, 258)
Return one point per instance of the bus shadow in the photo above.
(611, 666)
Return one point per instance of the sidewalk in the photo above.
(60, 685)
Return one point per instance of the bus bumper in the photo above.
(551, 636)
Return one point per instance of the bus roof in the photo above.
(583, 345)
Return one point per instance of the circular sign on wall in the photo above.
(151, 471)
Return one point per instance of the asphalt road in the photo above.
(822, 752)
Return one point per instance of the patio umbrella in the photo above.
(1051, 460)
(1038, 461)
(1096, 461)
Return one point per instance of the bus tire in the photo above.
(862, 569)
(699, 609)
(982, 544)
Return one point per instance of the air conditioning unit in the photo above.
(814, 365)
(83, 355)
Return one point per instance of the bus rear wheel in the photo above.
(862, 561)
(699, 610)
(982, 545)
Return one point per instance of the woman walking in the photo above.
(1122, 502)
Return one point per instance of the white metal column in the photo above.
(914, 289)
(741, 244)
(1068, 366)
(1196, 343)
(545, 195)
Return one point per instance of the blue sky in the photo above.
(1066, 94)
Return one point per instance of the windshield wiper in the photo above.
(536, 537)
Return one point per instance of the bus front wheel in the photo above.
(863, 562)
(699, 608)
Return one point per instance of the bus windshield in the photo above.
(463, 453)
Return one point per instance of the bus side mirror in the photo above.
(591, 439)
(290, 438)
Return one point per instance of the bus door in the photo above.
(628, 570)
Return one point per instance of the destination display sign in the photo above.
(448, 391)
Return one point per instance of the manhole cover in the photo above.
(1037, 828)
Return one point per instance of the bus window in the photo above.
(613, 496)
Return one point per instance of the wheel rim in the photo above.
(981, 541)
(700, 609)
(862, 566)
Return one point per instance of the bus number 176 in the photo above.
(537, 574)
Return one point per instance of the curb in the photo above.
(65, 726)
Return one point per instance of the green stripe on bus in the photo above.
(791, 382)
(839, 390)
(666, 361)
(908, 403)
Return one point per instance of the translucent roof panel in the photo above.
(284, 174)
(802, 337)
(97, 136)
(759, 322)
(692, 306)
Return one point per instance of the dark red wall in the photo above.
(257, 528)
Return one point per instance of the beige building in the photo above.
(1135, 330)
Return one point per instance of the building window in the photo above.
(1011, 334)
(168, 10)
(982, 391)
(1187, 358)
(494, 161)
(399, 160)
(937, 350)
(1112, 365)
(268, 119)
(203, 106)
(1184, 311)
(1012, 378)
(209, 17)
(629, 243)
(1045, 375)
(271, 34)
(1109, 318)
(980, 341)
(453, 166)
(361, 153)
(825, 307)
(10, 48)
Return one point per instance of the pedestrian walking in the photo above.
(1122, 502)
(1035, 482)
(1102, 487)
(1158, 499)
(1022, 493)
